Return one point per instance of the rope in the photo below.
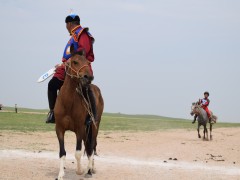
(87, 104)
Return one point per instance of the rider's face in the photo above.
(205, 95)
(68, 26)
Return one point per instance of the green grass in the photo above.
(121, 122)
(110, 122)
(23, 122)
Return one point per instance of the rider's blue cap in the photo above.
(72, 17)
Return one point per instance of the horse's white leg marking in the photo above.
(93, 167)
(90, 162)
(61, 171)
(78, 155)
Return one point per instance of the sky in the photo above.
(151, 56)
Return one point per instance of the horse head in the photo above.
(202, 118)
(195, 108)
(79, 67)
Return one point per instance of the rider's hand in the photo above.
(56, 66)
(59, 65)
(199, 101)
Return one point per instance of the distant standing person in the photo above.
(16, 110)
(81, 39)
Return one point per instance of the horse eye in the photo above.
(75, 62)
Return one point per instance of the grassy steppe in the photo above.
(34, 120)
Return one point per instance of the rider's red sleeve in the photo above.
(85, 43)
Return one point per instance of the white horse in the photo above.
(202, 119)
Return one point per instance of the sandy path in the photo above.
(124, 156)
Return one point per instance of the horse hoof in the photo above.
(79, 172)
(60, 178)
(94, 171)
(89, 174)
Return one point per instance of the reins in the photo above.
(87, 104)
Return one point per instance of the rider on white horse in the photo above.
(204, 104)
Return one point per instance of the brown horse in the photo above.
(78, 108)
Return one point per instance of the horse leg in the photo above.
(95, 149)
(206, 131)
(90, 145)
(90, 166)
(94, 144)
(93, 167)
(62, 153)
(78, 155)
(199, 136)
(91, 160)
(210, 131)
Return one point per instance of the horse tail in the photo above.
(214, 118)
(89, 139)
(97, 104)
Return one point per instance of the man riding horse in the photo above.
(204, 104)
(81, 40)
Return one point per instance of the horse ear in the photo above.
(72, 49)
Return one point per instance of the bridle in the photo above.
(77, 72)
(196, 106)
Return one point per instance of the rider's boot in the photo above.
(195, 118)
(92, 104)
(50, 117)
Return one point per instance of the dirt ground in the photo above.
(173, 154)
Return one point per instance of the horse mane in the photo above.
(80, 52)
